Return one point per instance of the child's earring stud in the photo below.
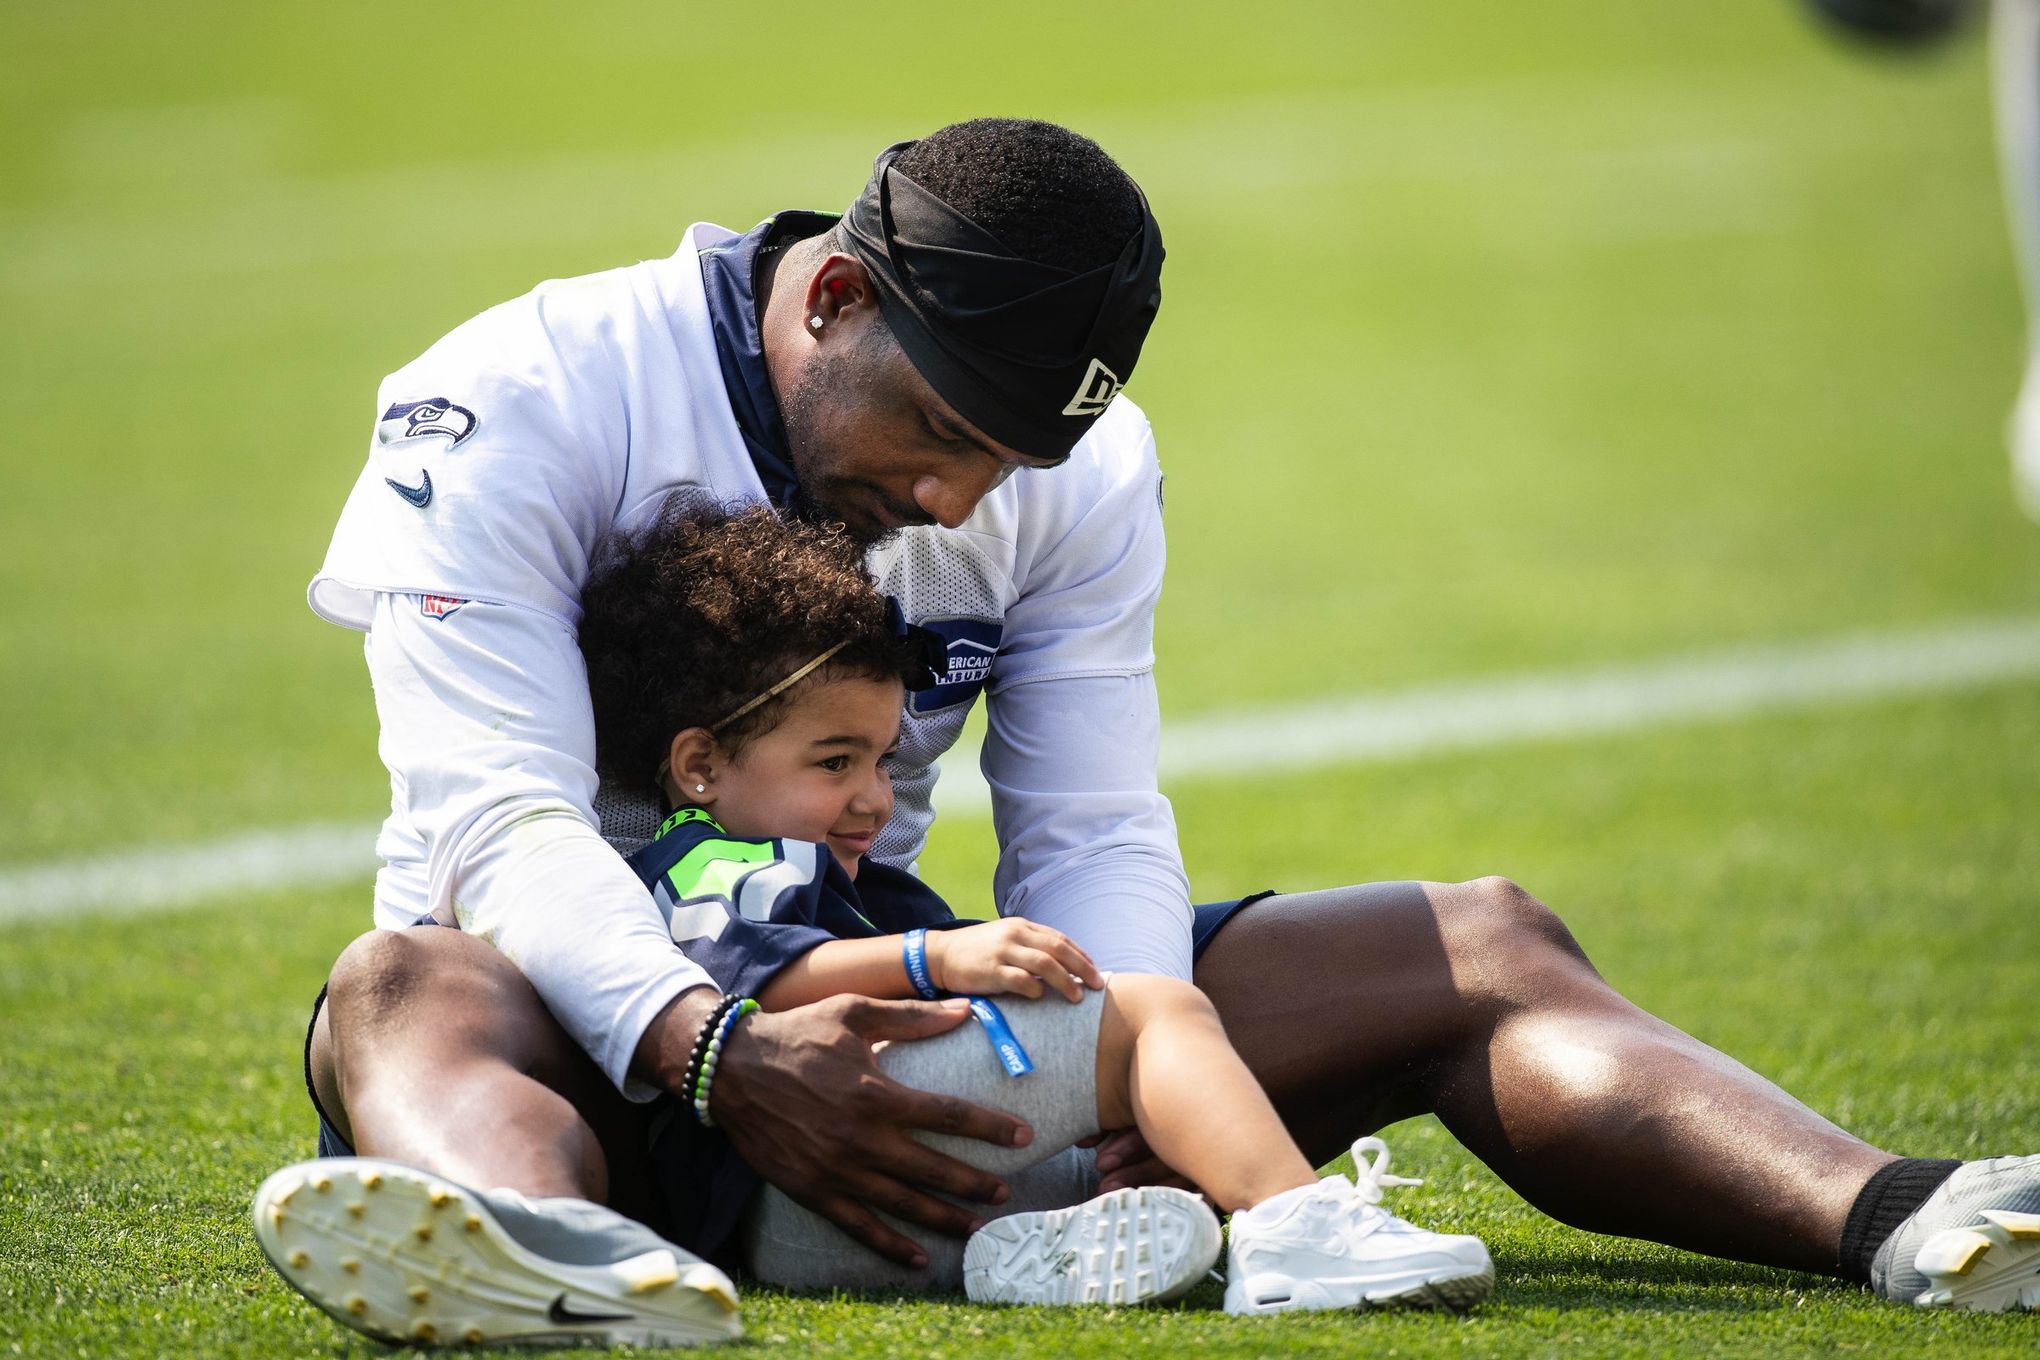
(701, 788)
(814, 323)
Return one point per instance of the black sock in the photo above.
(1893, 1193)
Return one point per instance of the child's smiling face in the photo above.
(819, 775)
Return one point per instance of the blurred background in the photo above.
(1496, 336)
(1500, 341)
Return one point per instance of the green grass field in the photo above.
(1497, 338)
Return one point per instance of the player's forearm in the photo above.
(662, 1053)
(549, 893)
(1088, 840)
(1126, 923)
(863, 967)
(491, 756)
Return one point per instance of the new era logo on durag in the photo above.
(1095, 392)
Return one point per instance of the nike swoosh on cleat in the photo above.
(417, 495)
(560, 1313)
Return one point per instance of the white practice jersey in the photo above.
(501, 460)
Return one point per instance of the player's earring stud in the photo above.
(814, 323)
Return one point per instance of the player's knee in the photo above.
(374, 975)
(387, 974)
(1493, 920)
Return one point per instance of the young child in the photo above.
(749, 667)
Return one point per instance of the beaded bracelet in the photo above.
(743, 1007)
(710, 1027)
(915, 952)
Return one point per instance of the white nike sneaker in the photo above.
(1148, 1244)
(1328, 1246)
(413, 1259)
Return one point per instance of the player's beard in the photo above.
(835, 381)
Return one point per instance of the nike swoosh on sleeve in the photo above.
(419, 495)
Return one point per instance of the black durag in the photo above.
(1029, 353)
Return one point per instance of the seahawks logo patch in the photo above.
(418, 419)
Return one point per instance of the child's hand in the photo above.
(1013, 956)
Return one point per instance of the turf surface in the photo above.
(1496, 337)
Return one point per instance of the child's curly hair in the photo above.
(696, 615)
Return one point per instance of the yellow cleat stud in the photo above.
(276, 1215)
(706, 1279)
(1954, 1251)
(653, 1270)
(438, 1195)
(474, 1223)
(425, 1331)
(423, 1232)
(321, 1183)
(472, 1336)
(371, 1180)
(283, 1195)
(351, 1265)
(356, 1208)
(419, 1294)
(2017, 1227)
(356, 1304)
(300, 1258)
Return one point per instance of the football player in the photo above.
(939, 371)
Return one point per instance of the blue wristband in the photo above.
(915, 951)
(1012, 1057)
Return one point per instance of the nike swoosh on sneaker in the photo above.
(560, 1313)
(419, 495)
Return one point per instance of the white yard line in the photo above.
(1401, 725)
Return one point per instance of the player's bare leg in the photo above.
(487, 1145)
(433, 1050)
(1366, 1005)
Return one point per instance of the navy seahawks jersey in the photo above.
(743, 909)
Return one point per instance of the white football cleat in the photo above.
(1974, 1243)
(1990, 1268)
(1147, 1244)
(414, 1259)
(1328, 1246)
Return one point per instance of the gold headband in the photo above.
(792, 680)
(780, 688)
(659, 775)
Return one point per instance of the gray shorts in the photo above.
(784, 1244)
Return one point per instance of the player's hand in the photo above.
(1124, 1160)
(804, 1102)
(1010, 957)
